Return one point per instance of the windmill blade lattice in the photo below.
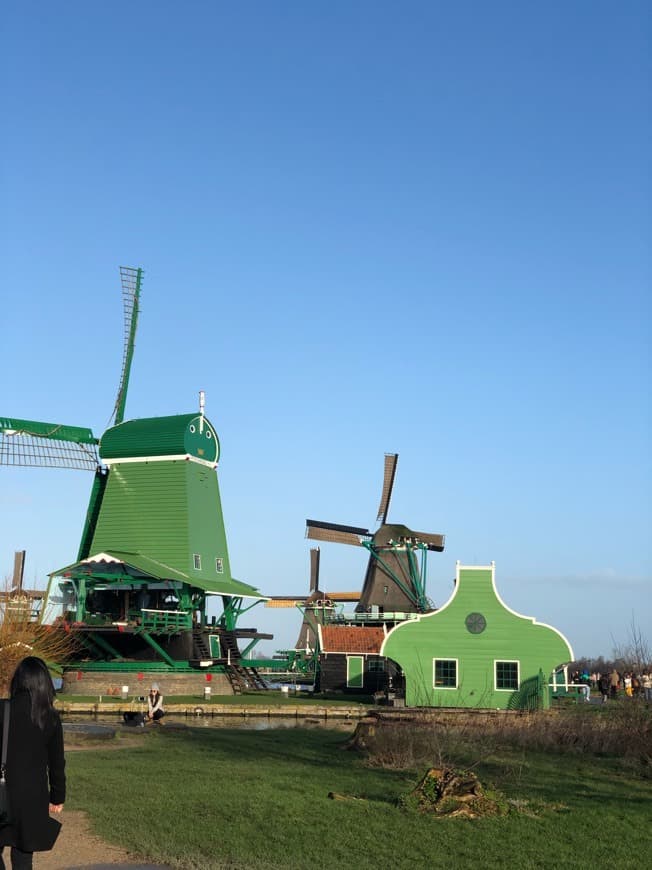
(391, 461)
(333, 532)
(131, 283)
(29, 443)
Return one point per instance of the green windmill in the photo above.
(153, 549)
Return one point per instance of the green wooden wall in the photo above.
(474, 629)
(168, 511)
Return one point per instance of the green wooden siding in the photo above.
(444, 635)
(167, 511)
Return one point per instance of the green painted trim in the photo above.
(94, 505)
(158, 649)
(101, 643)
(56, 431)
(90, 646)
(250, 645)
(146, 667)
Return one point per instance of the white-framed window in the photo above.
(219, 565)
(507, 676)
(196, 561)
(444, 673)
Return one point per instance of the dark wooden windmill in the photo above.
(395, 581)
(318, 608)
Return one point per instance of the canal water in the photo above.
(240, 723)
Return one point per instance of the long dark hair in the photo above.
(32, 676)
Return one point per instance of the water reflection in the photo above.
(239, 723)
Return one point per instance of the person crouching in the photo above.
(155, 711)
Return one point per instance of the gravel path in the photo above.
(77, 847)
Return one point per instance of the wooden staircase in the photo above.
(241, 678)
(200, 646)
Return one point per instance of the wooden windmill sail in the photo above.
(153, 546)
(395, 580)
(318, 607)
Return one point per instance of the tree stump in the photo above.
(454, 793)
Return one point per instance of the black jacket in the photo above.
(35, 778)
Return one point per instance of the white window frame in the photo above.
(457, 674)
(518, 673)
(196, 561)
(219, 565)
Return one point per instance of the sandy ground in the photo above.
(77, 847)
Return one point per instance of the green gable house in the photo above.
(475, 651)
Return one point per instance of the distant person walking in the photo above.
(646, 683)
(36, 779)
(585, 680)
(614, 682)
(627, 682)
(603, 684)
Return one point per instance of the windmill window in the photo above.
(507, 676)
(444, 673)
(208, 433)
(192, 428)
(196, 561)
(219, 566)
(376, 666)
(386, 589)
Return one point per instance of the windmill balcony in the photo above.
(375, 617)
(166, 620)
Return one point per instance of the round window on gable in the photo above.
(475, 623)
(192, 427)
(208, 433)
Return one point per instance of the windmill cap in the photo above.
(179, 435)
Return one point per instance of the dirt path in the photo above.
(77, 847)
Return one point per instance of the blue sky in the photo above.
(366, 227)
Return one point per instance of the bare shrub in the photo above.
(622, 730)
(20, 636)
(634, 653)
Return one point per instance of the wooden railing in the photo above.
(166, 620)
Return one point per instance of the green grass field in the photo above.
(213, 798)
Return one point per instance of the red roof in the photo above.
(352, 639)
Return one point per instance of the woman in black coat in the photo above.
(36, 779)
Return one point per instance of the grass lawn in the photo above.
(213, 798)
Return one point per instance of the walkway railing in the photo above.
(386, 616)
(166, 620)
